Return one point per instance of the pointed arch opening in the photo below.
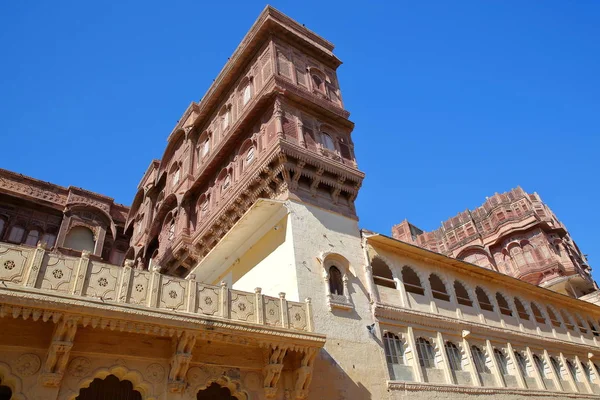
(426, 353)
(483, 299)
(382, 274)
(438, 288)
(110, 387)
(336, 282)
(537, 314)
(412, 282)
(215, 392)
(521, 310)
(462, 295)
(503, 305)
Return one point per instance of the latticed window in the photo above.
(501, 361)
(426, 353)
(171, 234)
(328, 142)
(537, 314)
(394, 349)
(462, 295)
(438, 289)
(454, 356)
(411, 281)
(581, 325)
(568, 322)
(540, 365)
(522, 363)
(336, 283)
(250, 155)
(553, 319)
(586, 371)
(572, 369)
(49, 239)
(483, 299)
(479, 360)
(204, 147)
(521, 310)
(556, 367)
(503, 305)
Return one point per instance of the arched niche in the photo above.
(121, 373)
(80, 238)
(110, 387)
(10, 384)
(224, 388)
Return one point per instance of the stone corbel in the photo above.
(272, 371)
(304, 374)
(58, 353)
(180, 362)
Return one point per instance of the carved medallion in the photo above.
(196, 376)
(79, 367)
(155, 373)
(9, 264)
(27, 364)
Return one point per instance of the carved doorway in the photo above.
(110, 388)
(215, 392)
(5, 392)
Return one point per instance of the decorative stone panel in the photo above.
(272, 311)
(139, 287)
(57, 273)
(242, 306)
(102, 281)
(297, 316)
(12, 263)
(207, 300)
(173, 293)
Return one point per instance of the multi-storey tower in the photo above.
(514, 233)
(272, 125)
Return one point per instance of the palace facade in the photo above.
(240, 272)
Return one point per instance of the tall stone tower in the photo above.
(271, 126)
(514, 233)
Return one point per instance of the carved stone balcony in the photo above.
(35, 277)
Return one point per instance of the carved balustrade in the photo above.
(54, 273)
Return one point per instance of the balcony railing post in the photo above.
(224, 300)
(191, 293)
(82, 268)
(260, 306)
(309, 315)
(285, 321)
(154, 284)
(125, 281)
(34, 267)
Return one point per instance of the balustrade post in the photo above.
(155, 277)
(224, 300)
(125, 281)
(260, 306)
(192, 289)
(81, 273)
(35, 265)
(309, 315)
(285, 321)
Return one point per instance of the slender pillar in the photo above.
(537, 374)
(472, 367)
(555, 378)
(410, 336)
(572, 379)
(515, 362)
(586, 382)
(445, 363)
(495, 368)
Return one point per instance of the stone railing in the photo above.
(37, 268)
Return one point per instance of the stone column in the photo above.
(404, 300)
(301, 140)
(592, 367)
(572, 379)
(374, 294)
(410, 337)
(445, 363)
(536, 372)
(495, 368)
(555, 378)
(513, 359)
(278, 114)
(192, 291)
(472, 367)
(586, 382)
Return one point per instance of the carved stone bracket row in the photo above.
(302, 375)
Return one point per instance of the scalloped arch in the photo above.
(12, 381)
(234, 386)
(121, 372)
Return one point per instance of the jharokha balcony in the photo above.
(42, 284)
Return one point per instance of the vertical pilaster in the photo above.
(309, 315)
(445, 363)
(224, 300)
(154, 285)
(260, 307)
(371, 284)
(81, 273)
(404, 301)
(515, 362)
(536, 372)
(555, 378)
(586, 382)
(410, 337)
(192, 290)
(124, 281)
(285, 321)
(592, 367)
(35, 265)
(301, 140)
(495, 369)
(472, 367)
(572, 379)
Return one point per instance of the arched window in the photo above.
(568, 321)
(540, 365)
(483, 299)
(521, 310)
(394, 350)
(247, 93)
(226, 118)
(426, 353)
(16, 234)
(318, 82)
(109, 388)
(226, 183)
(537, 314)
(581, 324)
(204, 146)
(80, 238)
(411, 281)
(49, 239)
(176, 174)
(462, 295)
(382, 274)
(214, 391)
(479, 360)
(501, 361)
(503, 304)
(593, 328)
(328, 141)
(556, 367)
(521, 362)
(553, 319)
(250, 155)
(171, 231)
(33, 236)
(454, 356)
(336, 283)
(438, 289)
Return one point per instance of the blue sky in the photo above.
(452, 101)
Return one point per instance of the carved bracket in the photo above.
(58, 353)
(304, 374)
(180, 362)
(272, 371)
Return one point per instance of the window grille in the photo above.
(426, 353)
(394, 349)
(501, 361)
(454, 356)
(479, 360)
